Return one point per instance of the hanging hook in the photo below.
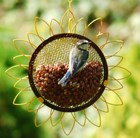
(70, 17)
(70, 5)
(69, 0)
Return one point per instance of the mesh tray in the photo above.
(48, 64)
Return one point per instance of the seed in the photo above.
(80, 88)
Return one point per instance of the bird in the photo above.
(77, 58)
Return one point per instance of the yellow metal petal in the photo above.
(102, 105)
(114, 84)
(92, 33)
(93, 115)
(80, 117)
(112, 48)
(34, 40)
(67, 123)
(34, 105)
(56, 27)
(26, 92)
(15, 71)
(39, 29)
(119, 73)
(68, 21)
(56, 117)
(42, 115)
(23, 47)
(80, 23)
(101, 39)
(112, 97)
(114, 61)
(21, 82)
(22, 60)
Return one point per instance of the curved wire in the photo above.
(36, 29)
(19, 56)
(76, 120)
(28, 36)
(77, 22)
(119, 83)
(60, 118)
(35, 118)
(97, 125)
(118, 104)
(113, 66)
(92, 23)
(107, 108)
(14, 101)
(115, 53)
(17, 82)
(60, 25)
(63, 128)
(70, 5)
(128, 72)
(11, 68)
(19, 51)
(101, 34)
(70, 18)
(29, 105)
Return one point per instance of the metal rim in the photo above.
(49, 40)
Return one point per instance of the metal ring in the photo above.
(66, 109)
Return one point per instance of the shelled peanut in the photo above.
(80, 88)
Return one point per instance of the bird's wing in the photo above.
(82, 59)
(77, 60)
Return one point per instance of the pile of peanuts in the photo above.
(80, 88)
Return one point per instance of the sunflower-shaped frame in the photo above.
(69, 25)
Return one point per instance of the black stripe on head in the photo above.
(82, 42)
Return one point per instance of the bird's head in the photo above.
(83, 44)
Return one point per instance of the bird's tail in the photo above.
(65, 79)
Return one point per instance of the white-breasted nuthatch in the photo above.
(77, 59)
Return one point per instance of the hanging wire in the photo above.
(70, 5)
(71, 17)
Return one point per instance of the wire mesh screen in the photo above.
(50, 62)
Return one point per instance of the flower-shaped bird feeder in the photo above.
(46, 59)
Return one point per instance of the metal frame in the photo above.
(31, 64)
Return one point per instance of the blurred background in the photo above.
(121, 19)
